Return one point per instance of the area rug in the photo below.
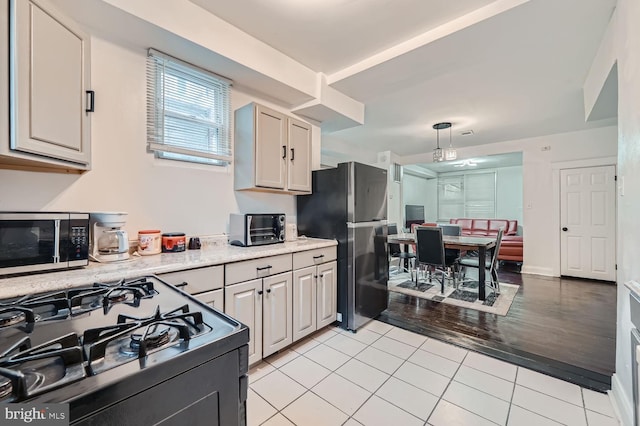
(465, 296)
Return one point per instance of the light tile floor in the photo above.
(384, 375)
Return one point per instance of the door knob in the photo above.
(565, 229)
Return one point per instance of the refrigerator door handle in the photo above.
(367, 224)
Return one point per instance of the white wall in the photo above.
(509, 193)
(168, 195)
(423, 192)
(628, 54)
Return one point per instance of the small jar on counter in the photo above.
(149, 242)
(173, 242)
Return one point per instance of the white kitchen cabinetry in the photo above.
(258, 293)
(49, 74)
(272, 151)
(314, 290)
(205, 284)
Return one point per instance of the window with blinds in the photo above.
(470, 195)
(188, 112)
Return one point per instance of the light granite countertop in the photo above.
(145, 265)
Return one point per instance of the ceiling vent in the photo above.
(467, 133)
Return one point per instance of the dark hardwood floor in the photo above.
(563, 327)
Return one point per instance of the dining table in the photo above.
(463, 242)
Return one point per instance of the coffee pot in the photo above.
(108, 241)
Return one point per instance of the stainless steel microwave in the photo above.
(42, 241)
(254, 229)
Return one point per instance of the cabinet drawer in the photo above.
(303, 259)
(198, 280)
(258, 268)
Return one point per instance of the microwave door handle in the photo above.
(56, 241)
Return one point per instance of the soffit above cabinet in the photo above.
(183, 29)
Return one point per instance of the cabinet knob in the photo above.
(268, 290)
(565, 229)
(259, 292)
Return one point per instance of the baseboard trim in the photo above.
(622, 403)
(537, 270)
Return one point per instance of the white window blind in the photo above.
(188, 111)
(470, 195)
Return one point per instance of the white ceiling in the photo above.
(461, 165)
(515, 74)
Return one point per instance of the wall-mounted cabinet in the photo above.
(48, 75)
(272, 151)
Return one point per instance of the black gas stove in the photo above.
(133, 352)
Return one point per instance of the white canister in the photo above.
(291, 232)
(149, 242)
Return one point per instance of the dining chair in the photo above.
(491, 265)
(403, 256)
(431, 252)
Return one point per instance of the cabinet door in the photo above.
(214, 298)
(271, 148)
(327, 293)
(244, 303)
(304, 302)
(277, 315)
(299, 169)
(50, 75)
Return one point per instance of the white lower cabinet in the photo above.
(205, 284)
(264, 302)
(327, 294)
(264, 305)
(314, 291)
(244, 303)
(276, 313)
(214, 298)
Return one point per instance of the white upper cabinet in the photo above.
(49, 75)
(272, 151)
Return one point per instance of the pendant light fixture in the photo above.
(440, 154)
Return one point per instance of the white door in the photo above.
(244, 303)
(51, 73)
(587, 221)
(327, 287)
(299, 142)
(277, 317)
(304, 302)
(271, 148)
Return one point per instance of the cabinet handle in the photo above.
(263, 268)
(259, 292)
(318, 257)
(268, 290)
(321, 275)
(292, 154)
(91, 98)
(182, 284)
(284, 152)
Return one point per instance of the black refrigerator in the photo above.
(349, 204)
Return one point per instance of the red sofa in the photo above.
(511, 247)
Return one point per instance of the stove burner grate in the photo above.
(106, 295)
(135, 337)
(26, 371)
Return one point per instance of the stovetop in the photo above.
(63, 344)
